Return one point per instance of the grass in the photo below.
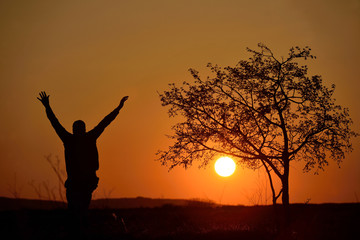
(307, 221)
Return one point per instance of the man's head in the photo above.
(79, 127)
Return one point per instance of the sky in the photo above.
(88, 54)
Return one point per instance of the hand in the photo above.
(44, 99)
(123, 101)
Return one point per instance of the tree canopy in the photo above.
(264, 112)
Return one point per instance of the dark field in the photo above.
(306, 221)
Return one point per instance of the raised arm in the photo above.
(59, 129)
(96, 132)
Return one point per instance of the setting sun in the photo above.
(225, 166)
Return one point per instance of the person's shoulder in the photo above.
(67, 137)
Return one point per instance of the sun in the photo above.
(225, 166)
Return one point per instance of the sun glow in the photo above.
(225, 166)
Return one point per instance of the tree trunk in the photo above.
(274, 201)
(271, 183)
(285, 184)
(285, 192)
(285, 196)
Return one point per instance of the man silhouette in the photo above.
(81, 156)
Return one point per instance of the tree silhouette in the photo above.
(264, 112)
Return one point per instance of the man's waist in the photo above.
(80, 176)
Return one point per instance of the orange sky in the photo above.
(88, 54)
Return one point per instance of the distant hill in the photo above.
(139, 202)
(19, 203)
(142, 202)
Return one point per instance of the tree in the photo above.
(264, 112)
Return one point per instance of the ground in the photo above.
(306, 221)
